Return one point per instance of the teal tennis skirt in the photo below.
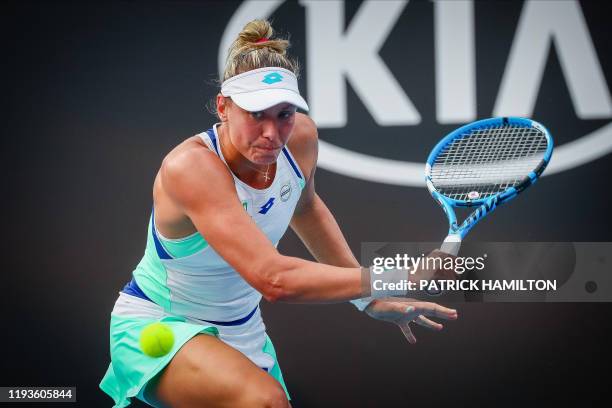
(130, 369)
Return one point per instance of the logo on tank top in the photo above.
(285, 192)
(266, 207)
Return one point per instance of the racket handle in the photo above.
(451, 244)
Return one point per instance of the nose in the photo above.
(270, 130)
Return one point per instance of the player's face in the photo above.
(260, 136)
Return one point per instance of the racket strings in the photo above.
(487, 161)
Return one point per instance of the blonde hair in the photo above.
(255, 48)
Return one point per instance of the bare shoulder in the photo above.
(190, 170)
(304, 143)
(191, 153)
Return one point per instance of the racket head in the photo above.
(487, 160)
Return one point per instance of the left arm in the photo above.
(312, 221)
(319, 231)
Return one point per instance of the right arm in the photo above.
(198, 183)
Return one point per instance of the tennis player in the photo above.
(222, 201)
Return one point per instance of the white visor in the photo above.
(262, 88)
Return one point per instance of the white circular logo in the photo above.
(285, 192)
(382, 170)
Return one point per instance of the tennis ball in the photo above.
(156, 340)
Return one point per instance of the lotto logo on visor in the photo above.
(262, 88)
(272, 78)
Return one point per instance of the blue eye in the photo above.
(257, 115)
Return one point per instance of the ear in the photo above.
(222, 106)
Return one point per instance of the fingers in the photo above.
(439, 253)
(434, 310)
(414, 309)
(437, 265)
(417, 311)
(405, 328)
(443, 273)
(429, 324)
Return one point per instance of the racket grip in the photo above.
(451, 244)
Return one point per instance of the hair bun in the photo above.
(256, 30)
(256, 34)
(255, 48)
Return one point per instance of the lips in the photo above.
(269, 148)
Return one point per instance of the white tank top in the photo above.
(203, 285)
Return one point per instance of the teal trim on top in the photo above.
(172, 248)
(183, 247)
(151, 274)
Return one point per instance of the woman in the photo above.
(222, 201)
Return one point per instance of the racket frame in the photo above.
(456, 232)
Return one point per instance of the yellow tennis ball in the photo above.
(156, 340)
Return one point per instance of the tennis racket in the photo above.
(485, 164)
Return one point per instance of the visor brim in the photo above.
(257, 101)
